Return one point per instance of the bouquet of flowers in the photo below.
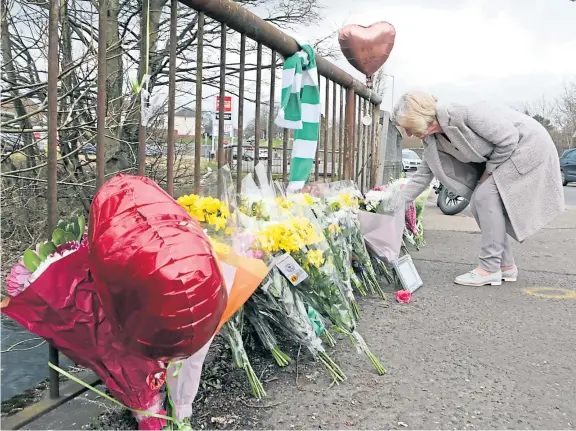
(414, 214)
(71, 292)
(304, 204)
(214, 216)
(343, 202)
(277, 299)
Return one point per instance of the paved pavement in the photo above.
(457, 357)
(570, 194)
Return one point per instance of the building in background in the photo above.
(185, 123)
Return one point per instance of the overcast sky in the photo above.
(506, 51)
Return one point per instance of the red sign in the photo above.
(227, 103)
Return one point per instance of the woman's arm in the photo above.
(486, 122)
(418, 183)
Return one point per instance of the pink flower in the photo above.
(255, 254)
(17, 280)
(71, 245)
(403, 296)
(381, 188)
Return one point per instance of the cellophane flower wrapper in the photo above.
(316, 208)
(214, 209)
(183, 377)
(323, 288)
(276, 299)
(343, 199)
(414, 214)
(62, 305)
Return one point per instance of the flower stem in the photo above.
(358, 285)
(253, 380)
(355, 308)
(358, 341)
(282, 359)
(333, 368)
(328, 338)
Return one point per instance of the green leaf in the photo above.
(31, 260)
(81, 227)
(58, 236)
(46, 250)
(69, 236)
(62, 224)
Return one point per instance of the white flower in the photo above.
(46, 263)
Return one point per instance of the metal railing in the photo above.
(347, 146)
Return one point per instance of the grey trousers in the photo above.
(488, 210)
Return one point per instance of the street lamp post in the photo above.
(392, 101)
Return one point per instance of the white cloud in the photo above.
(479, 47)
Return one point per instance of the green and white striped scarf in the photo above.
(300, 111)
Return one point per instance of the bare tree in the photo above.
(24, 93)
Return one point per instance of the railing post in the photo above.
(333, 142)
(198, 113)
(285, 155)
(144, 70)
(257, 123)
(101, 96)
(382, 173)
(220, 157)
(52, 163)
(349, 134)
(374, 147)
(341, 137)
(239, 153)
(171, 97)
(326, 120)
(271, 113)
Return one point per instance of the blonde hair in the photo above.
(416, 111)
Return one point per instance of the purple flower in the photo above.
(255, 254)
(17, 280)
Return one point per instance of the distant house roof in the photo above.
(185, 112)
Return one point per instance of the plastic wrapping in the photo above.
(383, 233)
(301, 237)
(214, 209)
(343, 198)
(157, 275)
(276, 234)
(183, 377)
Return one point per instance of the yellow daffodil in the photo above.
(315, 257)
(207, 210)
(220, 247)
(334, 228)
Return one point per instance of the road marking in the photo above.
(541, 292)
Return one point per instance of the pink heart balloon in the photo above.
(367, 48)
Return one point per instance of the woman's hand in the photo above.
(484, 177)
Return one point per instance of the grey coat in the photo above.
(513, 146)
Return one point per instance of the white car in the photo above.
(410, 160)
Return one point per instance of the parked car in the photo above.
(410, 160)
(568, 166)
(153, 150)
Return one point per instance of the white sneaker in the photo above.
(510, 275)
(474, 278)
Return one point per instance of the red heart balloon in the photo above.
(367, 48)
(157, 276)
